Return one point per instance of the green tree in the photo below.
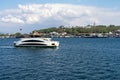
(18, 34)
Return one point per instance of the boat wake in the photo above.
(6, 46)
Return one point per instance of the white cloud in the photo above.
(11, 19)
(59, 14)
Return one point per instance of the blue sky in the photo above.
(38, 14)
(5, 4)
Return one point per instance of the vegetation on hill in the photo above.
(78, 29)
(75, 30)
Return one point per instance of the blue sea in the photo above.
(74, 59)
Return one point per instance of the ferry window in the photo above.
(32, 41)
(53, 44)
(34, 44)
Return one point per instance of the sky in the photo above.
(30, 15)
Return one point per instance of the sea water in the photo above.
(74, 59)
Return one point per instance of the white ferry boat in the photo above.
(36, 42)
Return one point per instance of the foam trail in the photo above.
(6, 46)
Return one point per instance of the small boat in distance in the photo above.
(36, 42)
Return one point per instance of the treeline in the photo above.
(78, 29)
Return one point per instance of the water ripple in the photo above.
(76, 59)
